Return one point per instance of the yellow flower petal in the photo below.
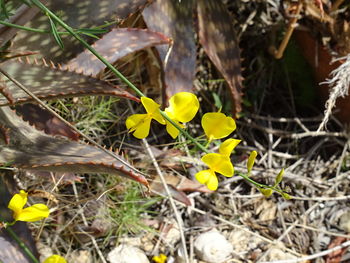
(174, 132)
(18, 201)
(33, 213)
(183, 106)
(216, 125)
(251, 160)
(219, 163)
(203, 176)
(158, 117)
(134, 120)
(152, 109)
(150, 105)
(139, 124)
(208, 177)
(212, 183)
(55, 259)
(160, 259)
(227, 146)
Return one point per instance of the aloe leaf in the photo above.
(173, 18)
(218, 38)
(113, 46)
(31, 149)
(77, 14)
(47, 81)
(44, 120)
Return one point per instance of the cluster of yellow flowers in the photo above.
(183, 106)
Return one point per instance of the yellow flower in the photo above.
(140, 124)
(251, 160)
(183, 106)
(30, 214)
(160, 259)
(55, 259)
(217, 163)
(217, 125)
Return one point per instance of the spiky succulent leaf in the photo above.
(77, 14)
(31, 149)
(115, 45)
(49, 82)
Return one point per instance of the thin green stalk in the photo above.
(24, 27)
(200, 146)
(22, 245)
(42, 31)
(245, 177)
(85, 44)
(127, 82)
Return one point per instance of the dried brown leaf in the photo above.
(218, 38)
(173, 18)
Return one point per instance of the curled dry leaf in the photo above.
(218, 38)
(173, 18)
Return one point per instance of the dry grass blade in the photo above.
(339, 82)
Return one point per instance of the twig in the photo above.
(317, 255)
(81, 212)
(292, 23)
(285, 233)
(172, 202)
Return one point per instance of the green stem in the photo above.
(200, 146)
(78, 31)
(25, 28)
(126, 81)
(85, 44)
(245, 177)
(22, 245)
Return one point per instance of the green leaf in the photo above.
(279, 177)
(266, 192)
(55, 33)
(218, 103)
(3, 9)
